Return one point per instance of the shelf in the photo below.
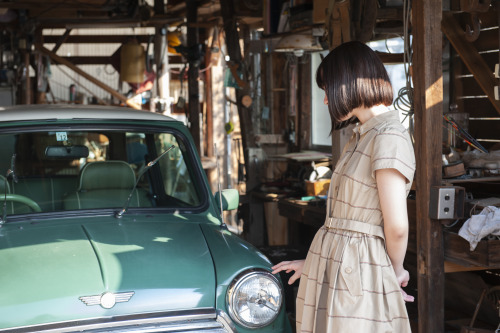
(472, 180)
(457, 250)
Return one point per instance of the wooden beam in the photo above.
(89, 77)
(47, 5)
(428, 102)
(119, 22)
(471, 58)
(96, 39)
(390, 58)
(89, 60)
(193, 73)
(61, 40)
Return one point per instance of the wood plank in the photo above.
(469, 54)
(451, 267)
(428, 92)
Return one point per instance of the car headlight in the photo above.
(254, 299)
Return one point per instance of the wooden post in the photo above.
(305, 89)
(428, 102)
(161, 61)
(234, 52)
(209, 126)
(27, 82)
(193, 73)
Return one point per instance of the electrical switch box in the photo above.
(446, 202)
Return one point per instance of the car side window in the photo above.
(177, 180)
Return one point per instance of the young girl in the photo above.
(352, 276)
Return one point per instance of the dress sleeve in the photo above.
(392, 149)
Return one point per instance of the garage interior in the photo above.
(240, 74)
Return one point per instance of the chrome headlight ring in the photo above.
(254, 298)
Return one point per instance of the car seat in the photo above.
(105, 184)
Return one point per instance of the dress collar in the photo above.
(376, 121)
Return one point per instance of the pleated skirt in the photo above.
(348, 285)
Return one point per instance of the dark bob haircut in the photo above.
(352, 76)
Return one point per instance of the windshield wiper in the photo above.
(10, 174)
(148, 166)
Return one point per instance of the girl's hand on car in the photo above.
(288, 266)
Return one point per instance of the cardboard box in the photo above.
(318, 187)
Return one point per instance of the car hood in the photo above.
(47, 272)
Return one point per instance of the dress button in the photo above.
(348, 270)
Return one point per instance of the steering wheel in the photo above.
(21, 199)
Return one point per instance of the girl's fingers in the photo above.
(281, 264)
(285, 267)
(406, 297)
(293, 278)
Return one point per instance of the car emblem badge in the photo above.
(107, 299)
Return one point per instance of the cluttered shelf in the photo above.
(471, 180)
(458, 252)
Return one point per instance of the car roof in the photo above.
(72, 111)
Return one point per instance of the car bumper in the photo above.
(199, 320)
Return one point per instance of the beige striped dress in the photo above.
(348, 283)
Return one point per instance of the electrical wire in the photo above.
(404, 100)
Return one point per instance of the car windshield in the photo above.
(48, 171)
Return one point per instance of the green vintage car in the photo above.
(108, 224)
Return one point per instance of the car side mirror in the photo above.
(230, 199)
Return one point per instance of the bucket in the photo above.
(132, 62)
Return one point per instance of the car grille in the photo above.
(188, 321)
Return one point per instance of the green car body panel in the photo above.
(87, 258)
(161, 258)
